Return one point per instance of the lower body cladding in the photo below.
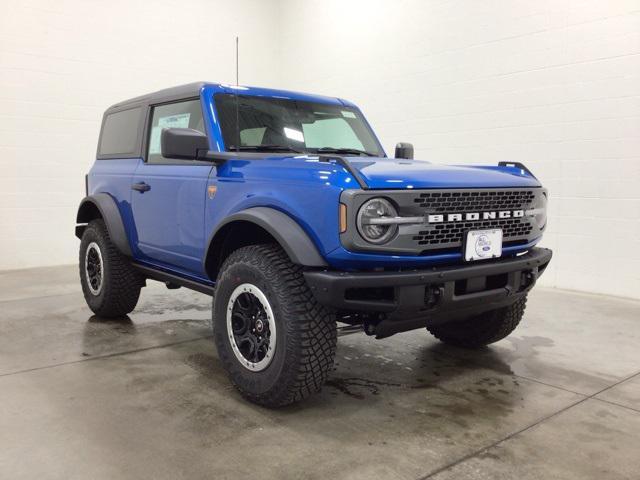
(392, 302)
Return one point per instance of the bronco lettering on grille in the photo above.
(460, 217)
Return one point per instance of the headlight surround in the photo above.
(370, 212)
(539, 212)
(541, 216)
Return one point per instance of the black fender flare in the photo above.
(110, 213)
(286, 231)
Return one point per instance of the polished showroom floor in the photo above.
(145, 397)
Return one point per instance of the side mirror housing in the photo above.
(183, 143)
(404, 150)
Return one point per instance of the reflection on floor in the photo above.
(145, 397)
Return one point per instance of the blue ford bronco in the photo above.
(286, 209)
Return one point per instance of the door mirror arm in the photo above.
(217, 158)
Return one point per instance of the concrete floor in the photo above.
(145, 397)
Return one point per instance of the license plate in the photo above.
(483, 244)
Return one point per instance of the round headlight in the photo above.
(372, 218)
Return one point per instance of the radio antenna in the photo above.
(237, 101)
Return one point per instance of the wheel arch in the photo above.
(102, 205)
(260, 225)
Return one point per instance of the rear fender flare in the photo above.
(108, 209)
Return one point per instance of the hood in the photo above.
(379, 173)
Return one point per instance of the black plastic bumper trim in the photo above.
(330, 287)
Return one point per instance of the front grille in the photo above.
(478, 201)
(439, 220)
(450, 234)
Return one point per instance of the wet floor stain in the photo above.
(527, 346)
(356, 387)
(104, 336)
(364, 371)
(101, 327)
(176, 305)
(206, 365)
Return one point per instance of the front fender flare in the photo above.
(291, 237)
(110, 213)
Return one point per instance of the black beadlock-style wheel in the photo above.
(110, 284)
(251, 327)
(274, 340)
(483, 329)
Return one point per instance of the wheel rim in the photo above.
(93, 268)
(251, 327)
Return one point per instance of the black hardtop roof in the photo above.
(192, 90)
(166, 94)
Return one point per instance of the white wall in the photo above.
(63, 62)
(554, 84)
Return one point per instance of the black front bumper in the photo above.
(440, 293)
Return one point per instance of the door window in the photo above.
(173, 115)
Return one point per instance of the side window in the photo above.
(120, 133)
(173, 115)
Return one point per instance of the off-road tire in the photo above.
(483, 329)
(306, 331)
(121, 283)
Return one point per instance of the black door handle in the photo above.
(141, 187)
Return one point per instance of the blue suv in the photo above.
(285, 208)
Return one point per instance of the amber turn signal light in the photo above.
(343, 218)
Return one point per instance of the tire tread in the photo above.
(311, 337)
(122, 283)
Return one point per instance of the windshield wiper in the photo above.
(263, 148)
(353, 151)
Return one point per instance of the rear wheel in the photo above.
(110, 284)
(274, 340)
(483, 329)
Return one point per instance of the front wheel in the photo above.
(275, 341)
(483, 329)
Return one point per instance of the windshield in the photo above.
(273, 124)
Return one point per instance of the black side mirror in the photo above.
(404, 150)
(183, 143)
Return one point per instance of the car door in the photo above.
(168, 198)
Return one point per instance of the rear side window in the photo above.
(120, 133)
(185, 114)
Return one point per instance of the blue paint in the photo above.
(169, 226)
(392, 173)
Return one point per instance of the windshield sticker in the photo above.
(348, 114)
(179, 120)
